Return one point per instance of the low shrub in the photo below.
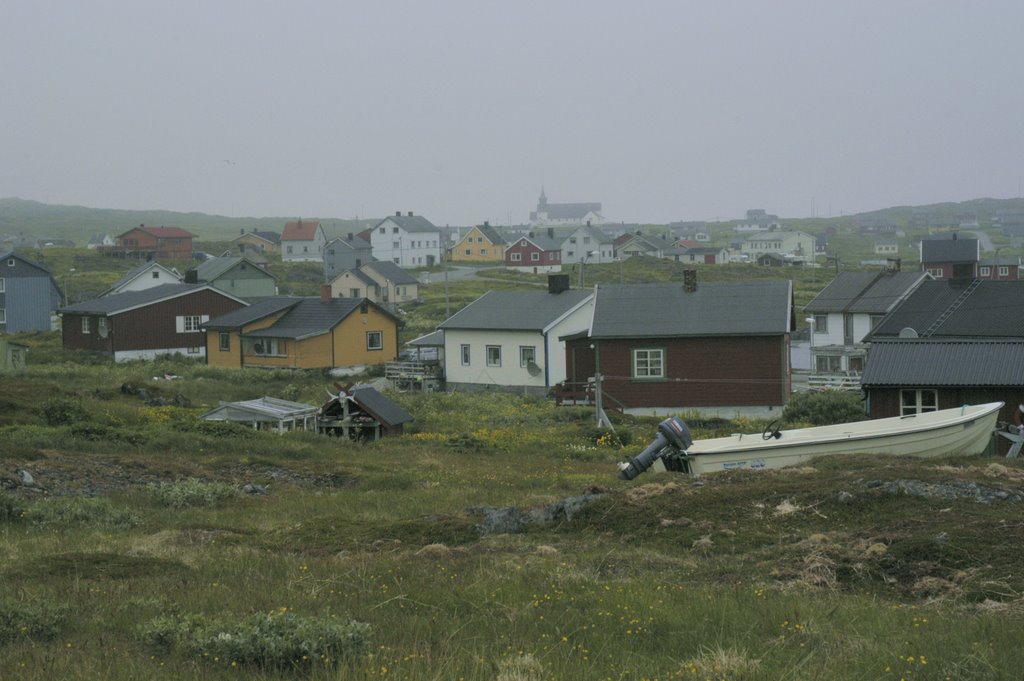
(10, 508)
(20, 620)
(192, 492)
(277, 640)
(61, 411)
(824, 408)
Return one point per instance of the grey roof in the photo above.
(569, 211)
(312, 317)
(120, 302)
(865, 292)
(12, 254)
(381, 407)
(391, 272)
(946, 362)
(432, 339)
(542, 241)
(491, 233)
(236, 319)
(410, 223)
(214, 268)
(992, 309)
(360, 275)
(350, 241)
(949, 250)
(514, 310)
(597, 234)
(666, 310)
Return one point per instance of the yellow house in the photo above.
(303, 333)
(481, 244)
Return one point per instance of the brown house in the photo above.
(143, 324)
(538, 252)
(660, 348)
(148, 243)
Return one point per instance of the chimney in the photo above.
(192, 276)
(558, 283)
(398, 213)
(325, 292)
(689, 281)
(242, 230)
(486, 224)
(349, 237)
(410, 213)
(551, 232)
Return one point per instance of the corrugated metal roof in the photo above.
(514, 310)
(666, 310)
(865, 292)
(994, 309)
(948, 362)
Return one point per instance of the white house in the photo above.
(407, 240)
(303, 240)
(510, 339)
(590, 243)
(782, 242)
(147, 275)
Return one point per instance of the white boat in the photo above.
(964, 430)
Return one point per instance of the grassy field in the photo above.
(492, 541)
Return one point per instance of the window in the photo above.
(383, 230)
(225, 341)
(821, 323)
(494, 355)
(85, 325)
(527, 354)
(1004, 271)
(935, 272)
(876, 319)
(2, 285)
(192, 323)
(396, 244)
(374, 340)
(535, 256)
(918, 401)
(827, 364)
(353, 293)
(464, 352)
(649, 363)
(156, 274)
(3, 316)
(469, 251)
(396, 261)
(288, 249)
(10, 262)
(102, 327)
(483, 251)
(193, 350)
(516, 257)
(269, 346)
(985, 271)
(394, 230)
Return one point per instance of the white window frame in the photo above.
(527, 354)
(918, 401)
(492, 355)
(101, 326)
(535, 257)
(1004, 270)
(224, 341)
(464, 354)
(379, 344)
(3, 285)
(820, 323)
(3, 316)
(984, 271)
(516, 257)
(86, 327)
(269, 347)
(648, 363)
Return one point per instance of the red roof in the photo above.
(162, 232)
(303, 230)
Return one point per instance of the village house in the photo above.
(143, 324)
(759, 220)
(481, 243)
(302, 333)
(701, 255)
(346, 253)
(719, 349)
(950, 257)
(381, 281)
(798, 245)
(690, 231)
(28, 295)
(999, 268)
(629, 245)
(587, 244)
(407, 240)
(847, 309)
(510, 339)
(147, 275)
(887, 247)
(303, 241)
(237, 275)
(152, 243)
(537, 252)
(257, 242)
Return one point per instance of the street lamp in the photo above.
(71, 271)
(583, 263)
(810, 323)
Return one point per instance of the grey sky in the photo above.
(461, 110)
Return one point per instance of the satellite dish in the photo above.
(907, 332)
(532, 368)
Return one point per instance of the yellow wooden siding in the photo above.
(474, 241)
(350, 338)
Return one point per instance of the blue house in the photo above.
(28, 295)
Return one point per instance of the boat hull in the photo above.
(965, 430)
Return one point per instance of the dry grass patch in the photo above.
(721, 664)
(639, 495)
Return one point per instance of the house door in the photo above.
(430, 261)
(848, 329)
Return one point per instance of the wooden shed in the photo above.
(362, 413)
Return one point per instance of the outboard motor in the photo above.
(673, 437)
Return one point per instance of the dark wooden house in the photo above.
(950, 258)
(148, 243)
(362, 413)
(661, 348)
(537, 252)
(28, 295)
(143, 324)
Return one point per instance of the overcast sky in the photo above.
(461, 111)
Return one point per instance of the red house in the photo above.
(721, 349)
(950, 258)
(148, 243)
(143, 324)
(536, 252)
